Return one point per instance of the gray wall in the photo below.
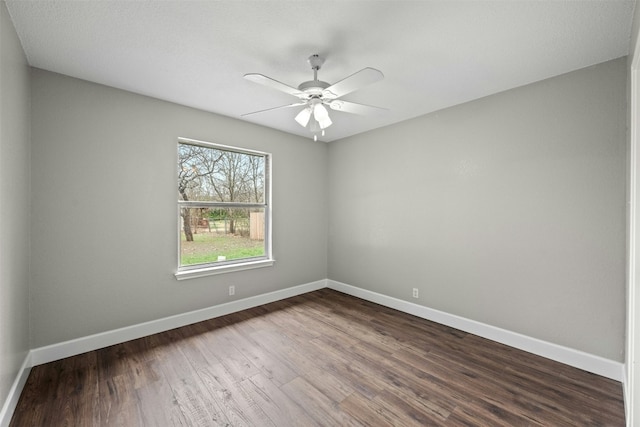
(632, 383)
(104, 185)
(14, 204)
(635, 32)
(509, 210)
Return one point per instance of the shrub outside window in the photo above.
(223, 206)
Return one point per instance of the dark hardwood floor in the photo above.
(322, 358)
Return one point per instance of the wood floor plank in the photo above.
(281, 410)
(120, 406)
(192, 396)
(460, 382)
(368, 412)
(318, 405)
(315, 374)
(434, 402)
(411, 411)
(158, 406)
(239, 406)
(322, 358)
(530, 397)
(335, 360)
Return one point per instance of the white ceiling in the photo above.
(434, 54)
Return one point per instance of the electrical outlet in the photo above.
(415, 292)
(232, 290)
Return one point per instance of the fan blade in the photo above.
(268, 81)
(297, 104)
(354, 108)
(355, 81)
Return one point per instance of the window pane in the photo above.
(210, 235)
(210, 174)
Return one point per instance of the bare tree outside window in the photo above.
(222, 203)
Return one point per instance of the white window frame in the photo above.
(201, 270)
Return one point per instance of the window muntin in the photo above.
(223, 205)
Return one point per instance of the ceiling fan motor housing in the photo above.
(313, 87)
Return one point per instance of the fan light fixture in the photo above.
(303, 117)
(315, 116)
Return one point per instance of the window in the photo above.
(223, 209)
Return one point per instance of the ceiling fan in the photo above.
(316, 95)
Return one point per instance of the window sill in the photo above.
(229, 268)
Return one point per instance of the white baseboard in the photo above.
(14, 392)
(576, 358)
(626, 393)
(93, 342)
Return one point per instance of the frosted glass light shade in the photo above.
(303, 117)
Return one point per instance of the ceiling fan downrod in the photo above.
(314, 87)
